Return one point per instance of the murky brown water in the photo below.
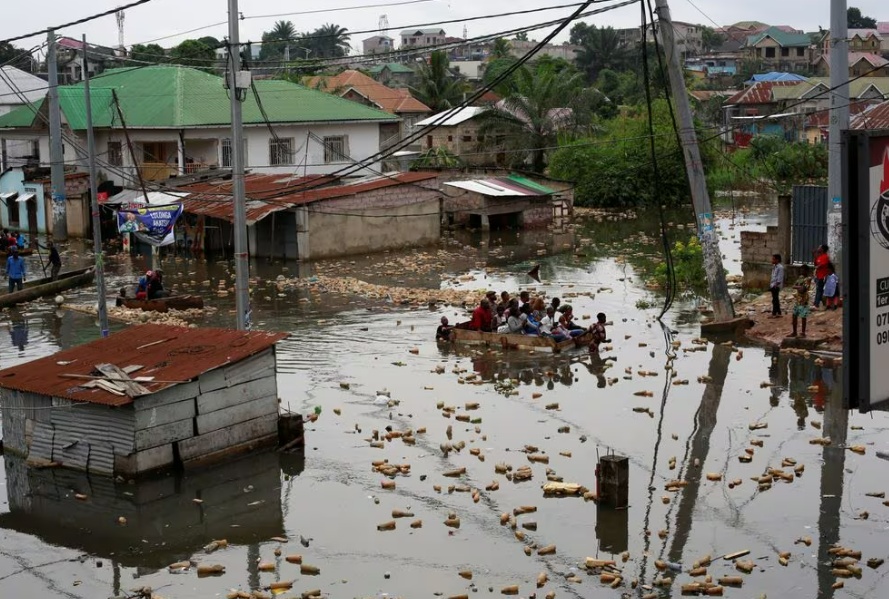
(52, 545)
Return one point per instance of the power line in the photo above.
(77, 22)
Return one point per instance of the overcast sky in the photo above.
(162, 18)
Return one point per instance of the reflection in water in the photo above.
(163, 522)
(836, 426)
(18, 330)
(705, 423)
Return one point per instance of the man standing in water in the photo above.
(599, 334)
(15, 270)
(55, 260)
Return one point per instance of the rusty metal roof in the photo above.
(272, 193)
(876, 117)
(758, 93)
(167, 353)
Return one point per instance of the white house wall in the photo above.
(364, 141)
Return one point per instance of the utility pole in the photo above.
(839, 121)
(723, 310)
(242, 266)
(56, 157)
(94, 198)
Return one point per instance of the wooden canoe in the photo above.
(42, 287)
(510, 341)
(22, 252)
(163, 304)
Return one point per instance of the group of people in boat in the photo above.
(149, 287)
(526, 315)
(9, 240)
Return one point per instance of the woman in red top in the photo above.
(481, 317)
(822, 259)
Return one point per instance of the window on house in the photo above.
(227, 158)
(800, 52)
(450, 138)
(467, 138)
(35, 149)
(336, 148)
(115, 153)
(429, 141)
(785, 51)
(12, 214)
(280, 151)
(770, 53)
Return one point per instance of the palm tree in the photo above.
(500, 49)
(601, 48)
(283, 30)
(544, 106)
(330, 41)
(437, 87)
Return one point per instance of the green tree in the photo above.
(16, 57)
(329, 41)
(500, 49)
(522, 36)
(615, 168)
(148, 53)
(439, 157)
(856, 20)
(495, 69)
(535, 116)
(710, 39)
(210, 41)
(436, 86)
(275, 40)
(193, 53)
(601, 48)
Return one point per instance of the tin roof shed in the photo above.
(169, 355)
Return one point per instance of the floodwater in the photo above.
(329, 502)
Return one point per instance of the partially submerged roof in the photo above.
(273, 193)
(164, 97)
(452, 117)
(511, 186)
(166, 354)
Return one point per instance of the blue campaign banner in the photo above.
(151, 224)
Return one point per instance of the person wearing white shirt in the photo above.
(776, 283)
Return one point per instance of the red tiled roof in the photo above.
(386, 98)
(182, 355)
(758, 93)
(216, 204)
(876, 117)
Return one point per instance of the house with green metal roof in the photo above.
(393, 74)
(780, 50)
(158, 122)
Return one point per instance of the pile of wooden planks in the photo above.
(115, 380)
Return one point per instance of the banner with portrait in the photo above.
(151, 224)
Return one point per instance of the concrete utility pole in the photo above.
(723, 310)
(242, 266)
(839, 121)
(94, 197)
(56, 157)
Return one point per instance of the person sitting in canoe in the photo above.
(549, 326)
(142, 287)
(156, 286)
(567, 321)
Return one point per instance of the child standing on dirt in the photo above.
(801, 309)
(831, 288)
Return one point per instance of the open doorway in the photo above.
(510, 220)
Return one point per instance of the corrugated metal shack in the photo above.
(195, 396)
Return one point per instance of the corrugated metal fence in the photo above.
(809, 222)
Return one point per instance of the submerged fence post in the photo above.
(614, 481)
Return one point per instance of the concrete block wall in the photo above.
(757, 247)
